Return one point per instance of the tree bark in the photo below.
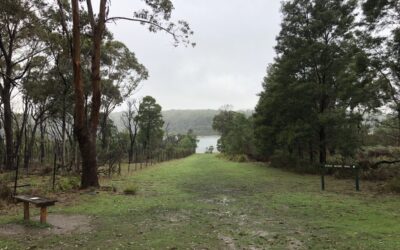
(6, 96)
(322, 145)
(86, 131)
(42, 141)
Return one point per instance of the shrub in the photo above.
(241, 158)
(394, 185)
(5, 192)
(68, 183)
(7, 177)
(46, 170)
(131, 190)
(287, 161)
(235, 158)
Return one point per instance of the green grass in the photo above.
(205, 202)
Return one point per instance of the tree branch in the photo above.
(376, 164)
(113, 19)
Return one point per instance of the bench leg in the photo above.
(43, 215)
(26, 211)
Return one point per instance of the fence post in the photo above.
(322, 177)
(357, 169)
(54, 170)
(16, 177)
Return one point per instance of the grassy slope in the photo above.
(205, 202)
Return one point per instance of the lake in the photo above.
(206, 141)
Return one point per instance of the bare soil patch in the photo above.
(60, 224)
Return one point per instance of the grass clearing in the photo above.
(205, 202)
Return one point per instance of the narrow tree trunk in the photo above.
(398, 124)
(42, 141)
(322, 132)
(322, 145)
(64, 132)
(8, 129)
(29, 147)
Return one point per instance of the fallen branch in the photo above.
(376, 164)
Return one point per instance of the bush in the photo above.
(241, 158)
(68, 183)
(46, 170)
(287, 161)
(131, 190)
(5, 192)
(7, 177)
(235, 158)
(394, 185)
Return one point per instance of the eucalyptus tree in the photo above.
(130, 121)
(42, 90)
(20, 41)
(157, 17)
(121, 74)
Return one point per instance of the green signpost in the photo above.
(354, 168)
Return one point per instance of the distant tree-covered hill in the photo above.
(180, 121)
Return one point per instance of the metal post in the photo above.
(16, 178)
(322, 177)
(357, 169)
(54, 170)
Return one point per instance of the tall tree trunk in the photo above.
(86, 131)
(8, 130)
(105, 132)
(64, 131)
(42, 141)
(322, 145)
(322, 131)
(132, 135)
(398, 128)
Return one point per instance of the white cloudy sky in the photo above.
(235, 40)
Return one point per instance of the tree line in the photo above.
(61, 75)
(332, 89)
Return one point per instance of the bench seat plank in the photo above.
(38, 201)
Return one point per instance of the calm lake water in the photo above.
(206, 141)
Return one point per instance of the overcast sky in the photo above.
(235, 40)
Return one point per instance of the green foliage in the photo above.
(180, 145)
(7, 176)
(150, 123)
(235, 158)
(180, 121)
(320, 85)
(385, 132)
(236, 133)
(284, 160)
(394, 185)
(5, 191)
(132, 189)
(68, 183)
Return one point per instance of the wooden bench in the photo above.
(41, 202)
